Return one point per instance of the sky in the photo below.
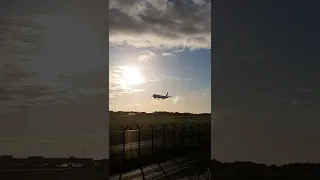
(160, 46)
(53, 67)
(264, 67)
(265, 86)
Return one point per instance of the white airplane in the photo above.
(157, 96)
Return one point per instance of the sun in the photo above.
(130, 76)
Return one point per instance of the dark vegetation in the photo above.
(254, 170)
(52, 168)
(131, 118)
(156, 113)
(169, 135)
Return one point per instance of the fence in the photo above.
(147, 144)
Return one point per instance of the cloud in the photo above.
(197, 101)
(170, 78)
(166, 78)
(198, 93)
(33, 58)
(274, 106)
(234, 111)
(299, 102)
(167, 54)
(146, 56)
(178, 50)
(116, 86)
(264, 114)
(19, 40)
(267, 96)
(160, 23)
(304, 90)
(6, 139)
(257, 56)
(66, 137)
(119, 87)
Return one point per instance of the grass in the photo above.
(199, 172)
(116, 136)
(117, 121)
(205, 175)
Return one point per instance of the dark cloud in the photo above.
(305, 90)
(234, 111)
(85, 80)
(160, 23)
(38, 49)
(274, 106)
(257, 56)
(270, 129)
(267, 96)
(18, 75)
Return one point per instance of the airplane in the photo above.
(157, 96)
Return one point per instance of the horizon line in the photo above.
(161, 112)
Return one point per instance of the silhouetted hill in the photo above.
(251, 169)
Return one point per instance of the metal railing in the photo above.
(147, 144)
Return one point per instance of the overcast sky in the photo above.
(159, 46)
(266, 87)
(53, 76)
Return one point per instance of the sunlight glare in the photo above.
(175, 99)
(130, 77)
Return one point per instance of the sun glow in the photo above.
(129, 77)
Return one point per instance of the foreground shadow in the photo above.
(53, 168)
(220, 170)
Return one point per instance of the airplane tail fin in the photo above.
(167, 94)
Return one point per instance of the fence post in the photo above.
(183, 132)
(174, 134)
(164, 135)
(152, 135)
(209, 132)
(124, 142)
(139, 138)
(198, 124)
(191, 134)
(205, 132)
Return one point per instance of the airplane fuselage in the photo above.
(157, 96)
